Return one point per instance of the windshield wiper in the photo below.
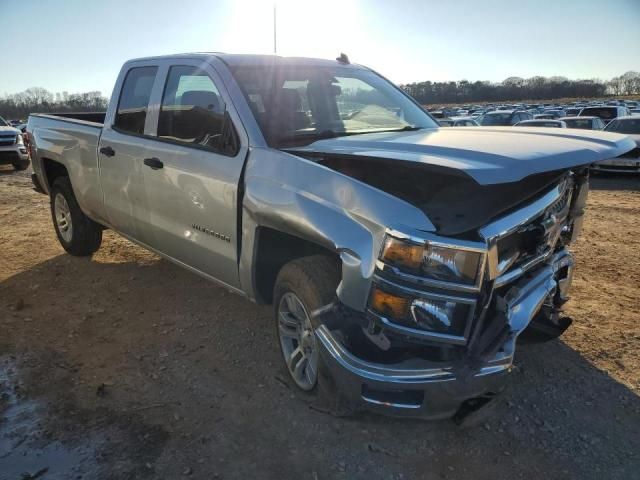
(325, 134)
(406, 128)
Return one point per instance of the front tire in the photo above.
(19, 166)
(303, 286)
(77, 233)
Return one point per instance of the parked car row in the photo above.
(613, 116)
(522, 112)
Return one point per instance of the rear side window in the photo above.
(134, 100)
(192, 110)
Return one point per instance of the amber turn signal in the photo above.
(387, 304)
(398, 252)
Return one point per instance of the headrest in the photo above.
(201, 98)
(289, 100)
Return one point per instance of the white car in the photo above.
(627, 162)
(542, 123)
(12, 148)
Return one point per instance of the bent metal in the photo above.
(402, 260)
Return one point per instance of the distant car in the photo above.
(605, 112)
(503, 118)
(12, 148)
(635, 112)
(555, 112)
(464, 121)
(584, 123)
(544, 116)
(541, 123)
(572, 111)
(438, 114)
(630, 161)
(457, 122)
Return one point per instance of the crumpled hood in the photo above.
(489, 155)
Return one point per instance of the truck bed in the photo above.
(71, 140)
(85, 117)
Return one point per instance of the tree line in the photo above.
(40, 100)
(37, 99)
(517, 88)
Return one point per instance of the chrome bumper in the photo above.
(429, 390)
(13, 153)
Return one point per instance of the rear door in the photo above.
(192, 170)
(122, 149)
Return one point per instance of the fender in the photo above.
(302, 198)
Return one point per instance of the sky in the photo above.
(80, 45)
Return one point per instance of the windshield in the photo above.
(578, 123)
(3, 122)
(606, 113)
(296, 105)
(630, 126)
(495, 119)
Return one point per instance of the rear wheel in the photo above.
(77, 233)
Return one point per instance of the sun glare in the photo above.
(304, 27)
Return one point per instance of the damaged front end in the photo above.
(439, 332)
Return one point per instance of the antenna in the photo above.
(275, 50)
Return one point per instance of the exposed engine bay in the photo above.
(453, 201)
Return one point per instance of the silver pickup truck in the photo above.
(402, 260)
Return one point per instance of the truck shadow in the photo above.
(148, 348)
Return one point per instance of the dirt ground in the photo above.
(125, 366)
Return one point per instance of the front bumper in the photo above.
(13, 154)
(438, 390)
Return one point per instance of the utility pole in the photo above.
(275, 50)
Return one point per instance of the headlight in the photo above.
(440, 316)
(19, 139)
(451, 265)
(433, 315)
(433, 260)
(402, 254)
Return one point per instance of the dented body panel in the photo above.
(310, 201)
(502, 204)
(489, 155)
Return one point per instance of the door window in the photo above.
(134, 100)
(192, 110)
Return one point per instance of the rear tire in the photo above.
(77, 233)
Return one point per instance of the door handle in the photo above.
(108, 151)
(154, 163)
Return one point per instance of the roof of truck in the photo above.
(238, 59)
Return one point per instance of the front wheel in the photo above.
(303, 286)
(77, 233)
(22, 165)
